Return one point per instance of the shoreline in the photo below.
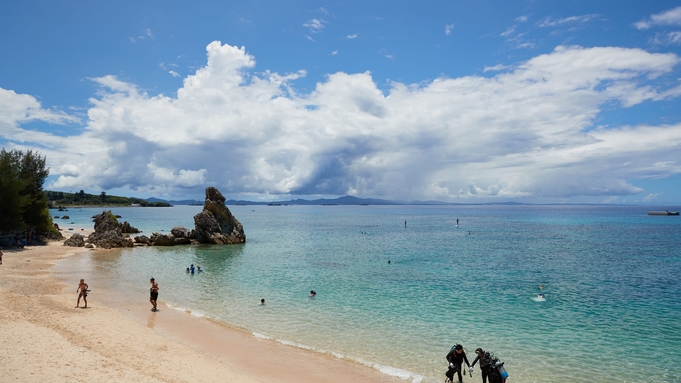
(129, 342)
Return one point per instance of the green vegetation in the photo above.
(23, 202)
(57, 198)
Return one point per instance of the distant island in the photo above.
(58, 199)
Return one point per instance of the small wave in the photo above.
(387, 370)
(539, 299)
(198, 314)
(261, 336)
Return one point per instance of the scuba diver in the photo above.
(484, 359)
(456, 357)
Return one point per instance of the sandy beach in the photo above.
(43, 338)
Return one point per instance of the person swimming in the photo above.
(312, 293)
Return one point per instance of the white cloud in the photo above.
(521, 19)
(315, 25)
(148, 33)
(333, 53)
(652, 196)
(310, 38)
(449, 28)
(548, 22)
(525, 132)
(497, 67)
(324, 10)
(173, 73)
(507, 32)
(670, 17)
(674, 37)
(526, 45)
(350, 37)
(132, 39)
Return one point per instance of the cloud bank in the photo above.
(525, 132)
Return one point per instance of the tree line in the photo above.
(23, 203)
(81, 198)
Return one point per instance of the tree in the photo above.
(102, 196)
(11, 202)
(33, 172)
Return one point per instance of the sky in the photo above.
(531, 101)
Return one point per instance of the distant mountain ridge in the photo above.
(345, 200)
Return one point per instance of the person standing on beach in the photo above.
(0, 257)
(455, 358)
(82, 287)
(484, 359)
(153, 294)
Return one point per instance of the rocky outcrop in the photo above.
(216, 224)
(108, 233)
(142, 239)
(183, 241)
(158, 239)
(76, 240)
(181, 232)
(127, 229)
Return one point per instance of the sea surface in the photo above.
(398, 298)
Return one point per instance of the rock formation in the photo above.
(181, 232)
(108, 232)
(216, 224)
(159, 239)
(127, 229)
(76, 240)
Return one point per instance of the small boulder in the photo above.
(76, 240)
(162, 239)
(66, 217)
(180, 232)
(90, 246)
(142, 239)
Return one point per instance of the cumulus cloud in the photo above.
(666, 18)
(525, 132)
(651, 197)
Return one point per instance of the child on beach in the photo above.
(83, 288)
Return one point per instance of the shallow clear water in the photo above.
(611, 274)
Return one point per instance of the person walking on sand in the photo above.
(83, 288)
(484, 359)
(153, 294)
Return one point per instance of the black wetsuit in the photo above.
(456, 359)
(484, 366)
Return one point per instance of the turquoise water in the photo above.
(611, 276)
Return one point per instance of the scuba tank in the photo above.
(501, 369)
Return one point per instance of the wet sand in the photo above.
(44, 338)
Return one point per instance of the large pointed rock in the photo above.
(216, 224)
(108, 232)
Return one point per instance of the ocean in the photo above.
(398, 298)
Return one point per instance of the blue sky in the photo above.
(531, 101)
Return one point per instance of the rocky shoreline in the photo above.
(215, 224)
